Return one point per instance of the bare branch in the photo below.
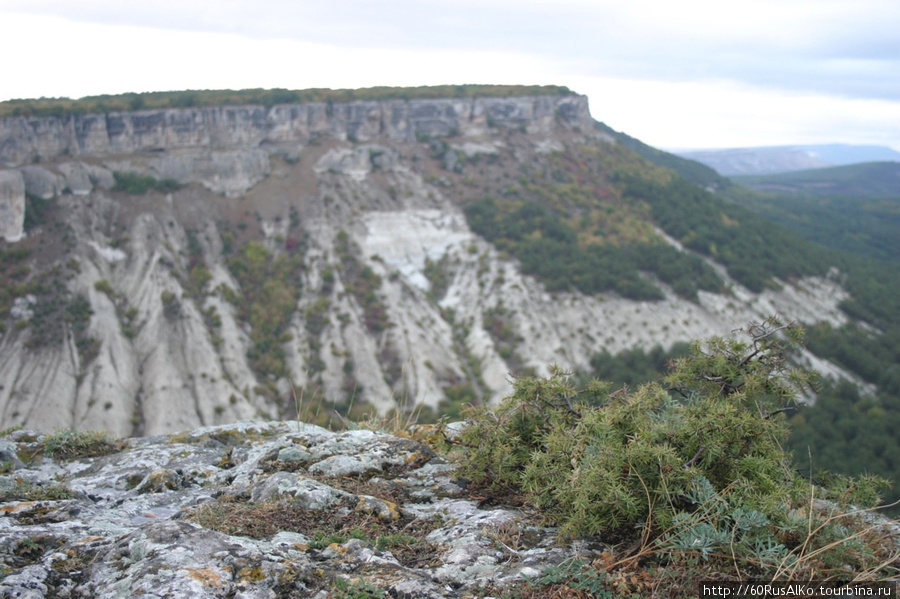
(693, 461)
(787, 409)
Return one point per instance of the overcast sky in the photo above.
(673, 73)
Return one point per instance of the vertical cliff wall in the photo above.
(24, 139)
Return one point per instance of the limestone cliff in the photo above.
(24, 140)
(202, 266)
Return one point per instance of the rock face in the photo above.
(221, 147)
(146, 311)
(23, 139)
(12, 205)
(256, 510)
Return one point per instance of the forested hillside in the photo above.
(848, 430)
(854, 210)
(870, 180)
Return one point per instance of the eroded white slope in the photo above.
(562, 328)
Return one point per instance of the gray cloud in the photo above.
(832, 47)
(797, 46)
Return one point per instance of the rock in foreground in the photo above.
(280, 509)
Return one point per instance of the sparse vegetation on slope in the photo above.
(753, 249)
(136, 184)
(363, 283)
(46, 308)
(269, 289)
(570, 226)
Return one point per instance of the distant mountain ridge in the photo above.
(854, 208)
(866, 180)
(781, 159)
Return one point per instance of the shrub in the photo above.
(363, 283)
(135, 184)
(698, 464)
(36, 210)
(171, 305)
(269, 289)
(104, 286)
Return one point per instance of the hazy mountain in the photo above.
(841, 154)
(779, 159)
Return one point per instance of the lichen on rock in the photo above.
(169, 516)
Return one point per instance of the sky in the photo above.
(684, 74)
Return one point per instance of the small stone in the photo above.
(159, 480)
(345, 465)
(8, 458)
(293, 454)
(383, 509)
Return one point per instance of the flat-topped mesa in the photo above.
(24, 140)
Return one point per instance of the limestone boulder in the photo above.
(41, 182)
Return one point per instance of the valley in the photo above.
(170, 268)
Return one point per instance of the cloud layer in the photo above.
(760, 71)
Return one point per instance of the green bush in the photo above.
(135, 184)
(104, 286)
(171, 305)
(36, 210)
(699, 463)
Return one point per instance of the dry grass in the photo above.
(404, 538)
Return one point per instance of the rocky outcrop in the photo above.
(226, 172)
(281, 509)
(226, 148)
(41, 183)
